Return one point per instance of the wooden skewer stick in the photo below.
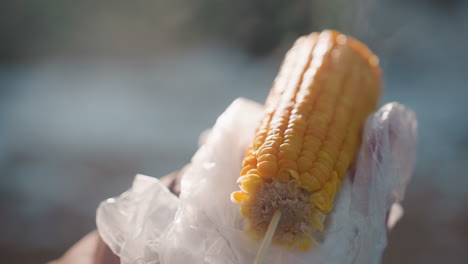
(268, 237)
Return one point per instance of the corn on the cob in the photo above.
(328, 84)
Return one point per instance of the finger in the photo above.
(386, 159)
(89, 250)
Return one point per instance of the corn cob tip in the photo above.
(292, 201)
(359, 47)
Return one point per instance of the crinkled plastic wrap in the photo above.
(148, 224)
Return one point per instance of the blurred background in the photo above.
(93, 92)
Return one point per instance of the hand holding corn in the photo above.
(307, 139)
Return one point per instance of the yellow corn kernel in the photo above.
(251, 183)
(322, 200)
(240, 197)
(287, 164)
(321, 172)
(250, 160)
(267, 157)
(318, 217)
(267, 169)
(253, 171)
(326, 159)
(294, 174)
(246, 169)
(268, 150)
(304, 163)
(327, 85)
(309, 182)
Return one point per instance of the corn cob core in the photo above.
(327, 85)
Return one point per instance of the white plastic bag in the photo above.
(148, 224)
